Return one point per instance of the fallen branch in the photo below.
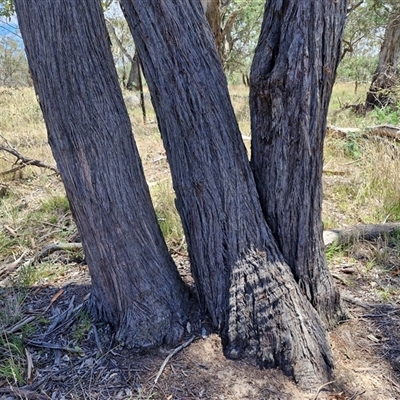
(23, 161)
(321, 387)
(53, 248)
(8, 268)
(20, 324)
(386, 131)
(360, 232)
(177, 350)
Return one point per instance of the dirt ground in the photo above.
(74, 359)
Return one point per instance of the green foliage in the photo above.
(362, 38)
(334, 252)
(82, 326)
(243, 36)
(163, 198)
(386, 115)
(352, 148)
(55, 204)
(7, 8)
(12, 358)
(357, 67)
(13, 65)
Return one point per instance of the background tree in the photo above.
(235, 25)
(385, 81)
(361, 39)
(13, 66)
(124, 52)
(243, 282)
(135, 284)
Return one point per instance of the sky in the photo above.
(9, 27)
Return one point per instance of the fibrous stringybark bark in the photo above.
(135, 284)
(242, 279)
(291, 82)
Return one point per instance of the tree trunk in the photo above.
(135, 284)
(213, 15)
(384, 89)
(290, 86)
(242, 279)
(133, 78)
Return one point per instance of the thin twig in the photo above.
(52, 346)
(8, 268)
(356, 394)
(321, 387)
(177, 350)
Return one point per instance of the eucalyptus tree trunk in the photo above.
(242, 279)
(135, 284)
(385, 86)
(291, 80)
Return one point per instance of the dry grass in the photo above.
(364, 186)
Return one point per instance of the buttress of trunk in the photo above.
(241, 278)
(290, 86)
(385, 85)
(135, 284)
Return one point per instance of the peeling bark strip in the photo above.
(291, 82)
(241, 277)
(135, 284)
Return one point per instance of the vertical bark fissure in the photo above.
(238, 270)
(135, 284)
(291, 81)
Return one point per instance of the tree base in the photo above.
(272, 324)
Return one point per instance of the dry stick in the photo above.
(29, 362)
(20, 324)
(25, 161)
(51, 249)
(355, 395)
(321, 387)
(7, 268)
(177, 350)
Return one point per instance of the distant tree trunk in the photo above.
(133, 78)
(385, 85)
(135, 285)
(213, 15)
(242, 280)
(290, 87)
(221, 29)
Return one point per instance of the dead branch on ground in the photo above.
(22, 161)
(360, 232)
(383, 131)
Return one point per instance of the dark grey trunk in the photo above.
(384, 89)
(135, 285)
(291, 82)
(242, 279)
